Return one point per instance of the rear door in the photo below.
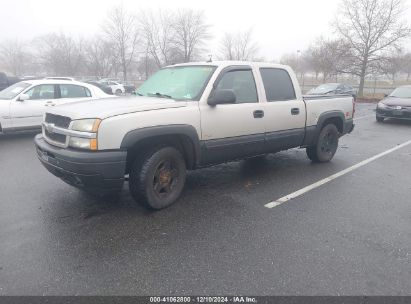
(231, 131)
(284, 111)
(29, 113)
(71, 93)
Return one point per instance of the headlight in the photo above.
(83, 143)
(86, 125)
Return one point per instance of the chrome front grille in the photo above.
(58, 120)
(55, 137)
(52, 128)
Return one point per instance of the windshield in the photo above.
(179, 83)
(401, 93)
(14, 90)
(325, 88)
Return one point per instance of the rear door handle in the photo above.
(295, 111)
(258, 114)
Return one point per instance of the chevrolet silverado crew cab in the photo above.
(185, 117)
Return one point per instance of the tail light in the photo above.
(353, 108)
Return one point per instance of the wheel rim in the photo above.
(328, 143)
(165, 178)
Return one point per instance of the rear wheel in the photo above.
(326, 146)
(157, 179)
(379, 119)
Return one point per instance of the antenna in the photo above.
(210, 58)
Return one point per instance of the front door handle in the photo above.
(49, 103)
(295, 111)
(258, 114)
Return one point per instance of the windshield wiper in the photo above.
(160, 95)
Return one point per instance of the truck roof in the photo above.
(230, 63)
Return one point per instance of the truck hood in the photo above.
(107, 107)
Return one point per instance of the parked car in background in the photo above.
(184, 117)
(116, 87)
(106, 89)
(333, 88)
(6, 81)
(23, 104)
(396, 105)
(130, 88)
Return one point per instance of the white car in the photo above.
(23, 104)
(116, 87)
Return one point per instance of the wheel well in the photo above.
(181, 142)
(337, 121)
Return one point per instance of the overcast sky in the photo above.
(280, 26)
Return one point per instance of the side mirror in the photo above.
(221, 97)
(385, 95)
(23, 97)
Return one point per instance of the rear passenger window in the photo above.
(242, 83)
(278, 85)
(73, 91)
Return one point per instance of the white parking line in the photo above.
(332, 177)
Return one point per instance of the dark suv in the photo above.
(5, 81)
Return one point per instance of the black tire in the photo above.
(119, 92)
(379, 119)
(157, 179)
(326, 146)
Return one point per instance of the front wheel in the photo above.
(157, 179)
(326, 146)
(379, 119)
(118, 92)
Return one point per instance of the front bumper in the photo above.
(348, 126)
(98, 171)
(404, 113)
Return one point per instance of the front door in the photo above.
(29, 113)
(231, 131)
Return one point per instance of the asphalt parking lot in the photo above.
(351, 236)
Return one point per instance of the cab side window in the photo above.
(74, 91)
(277, 84)
(242, 83)
(43, 91)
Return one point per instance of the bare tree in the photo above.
(159, 36)
(121, 29)
(239, 46)
(14, 56)
(297, 61)
(190, 33)
(99, 57)
(406, 65)
(290, 59)
(370, 27)
(60, 54)
(391, 64)
(327, 57)
(146, 66)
